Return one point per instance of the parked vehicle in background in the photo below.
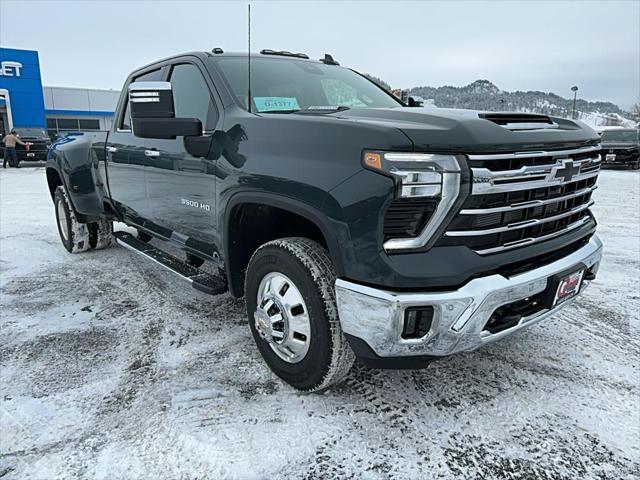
(621, 146)
(406, 98)
(353, 225)
(39, 143)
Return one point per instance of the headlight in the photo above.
(419, 175)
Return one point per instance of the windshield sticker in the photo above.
(266, 104)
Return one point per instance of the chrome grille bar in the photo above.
(514, 226)
(486, 181)
(531, 240)
(537, 169)
(512, 203)
(530, 204)
(551, 153)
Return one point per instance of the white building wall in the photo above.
(81, 99)
(65, 103)
(103, 100)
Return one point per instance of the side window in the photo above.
(191, 96)
(152, 76)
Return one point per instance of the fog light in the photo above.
(417, 322)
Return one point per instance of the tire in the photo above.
(305, 266)
(73, 234)
(636, 165)
(194, 261)
(144, 237)
(101, 234)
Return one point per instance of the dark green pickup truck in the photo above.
(354, 226)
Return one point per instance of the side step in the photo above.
(200, 280)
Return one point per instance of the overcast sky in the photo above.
(519, 45)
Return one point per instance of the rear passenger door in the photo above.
(126, 160)
(181, 187)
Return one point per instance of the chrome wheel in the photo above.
(281, 317)
(62, 221)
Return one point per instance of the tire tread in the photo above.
(315, 259)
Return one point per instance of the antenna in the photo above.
(249, 55)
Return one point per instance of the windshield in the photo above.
(31, 132)
(281, 85)
(620, 136)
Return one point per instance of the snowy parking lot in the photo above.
(113, 368)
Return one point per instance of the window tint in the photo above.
(191, 96)
(152, 76)
(68, 124)
(60, 126)
(89, 124)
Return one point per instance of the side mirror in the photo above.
(414, 102)
(153, 114)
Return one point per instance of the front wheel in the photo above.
(290, 296)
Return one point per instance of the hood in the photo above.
(468, 131)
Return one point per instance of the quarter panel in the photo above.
(77, 157)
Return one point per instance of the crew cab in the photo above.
(353, 225)
(621, 147)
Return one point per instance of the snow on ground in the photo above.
(597, 119)
(113, 368)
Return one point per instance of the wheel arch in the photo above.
(236, 257)
(54, 180)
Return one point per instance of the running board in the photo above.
(199, 280)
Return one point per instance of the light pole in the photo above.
(574, 89)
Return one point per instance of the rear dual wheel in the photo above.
(79, 237)
(290, 296)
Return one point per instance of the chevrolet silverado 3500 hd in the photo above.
(353, 225)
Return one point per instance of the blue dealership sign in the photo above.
(20, 75)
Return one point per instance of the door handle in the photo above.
(152, 153)
(112, 149)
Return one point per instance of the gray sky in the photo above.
(519, 45)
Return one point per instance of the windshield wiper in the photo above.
(325, 109)
(312, 109)
(279, 111)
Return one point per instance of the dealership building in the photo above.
(25, 102)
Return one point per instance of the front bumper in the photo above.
(619, 157)
(32, 156)
(376, 316)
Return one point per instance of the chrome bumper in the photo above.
(377, 316)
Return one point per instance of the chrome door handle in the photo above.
(152, 153)
(112, 149)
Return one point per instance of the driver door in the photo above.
(180, 186)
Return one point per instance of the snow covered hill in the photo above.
(484, 95)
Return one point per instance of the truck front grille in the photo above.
(523, 198)
(34, 147)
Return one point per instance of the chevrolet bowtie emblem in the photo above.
(566, 171)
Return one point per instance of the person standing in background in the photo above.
(10, 141)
